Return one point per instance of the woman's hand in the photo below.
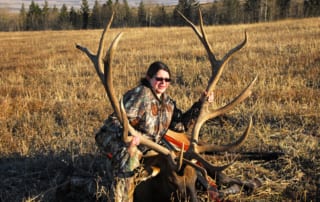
(133, 145)
(207, 97)
(135, 141)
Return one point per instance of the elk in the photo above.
(180, 171)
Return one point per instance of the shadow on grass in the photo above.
(49, 178)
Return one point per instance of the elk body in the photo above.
(182, 168)
(168, 184)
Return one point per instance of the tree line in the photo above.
(217, 12)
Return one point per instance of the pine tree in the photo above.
(64, 17)
(188, 8)
(85, 13)
(161, 16)
(45, 15)
(142, 14)
(22, 18)
(311, 8)
(106, 12)
(252, 10)
(96, 17)
(127, 18)
(34, 18)
(231, 12)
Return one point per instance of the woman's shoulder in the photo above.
(168, 99)
(140, 89)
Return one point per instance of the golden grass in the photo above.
(51, 100)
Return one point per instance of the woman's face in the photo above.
(160, 81)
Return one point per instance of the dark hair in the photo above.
(154, 68)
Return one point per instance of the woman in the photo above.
(151, 111)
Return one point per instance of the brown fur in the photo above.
(168, 184)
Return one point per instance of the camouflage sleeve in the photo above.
(134, 102)
(183, 121)
(189, 117)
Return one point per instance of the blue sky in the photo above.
(16, 4)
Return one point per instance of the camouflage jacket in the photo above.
(149, 115)
(153, 116)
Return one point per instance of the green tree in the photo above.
(231, 12)
(161, 16)
(106, 12)
(311, 8)
(54, 18)
(75, 18)
(34, 17)
(64, 18)
(8, 22)
(45, 15)
(142, 14)
(252, 10)
(96, 17)
(127, 17)
(296, 9)
(117, 8)
(188, 8)
(22, 18)
(124, 16)
(85, 13)
(283, 8)
(214, 13)
(109, 3)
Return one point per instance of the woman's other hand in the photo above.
(135, 141)
(209, 97)
(132, 149)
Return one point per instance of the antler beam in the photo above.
(103, 67)
(217, 69)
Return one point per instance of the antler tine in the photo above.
(221, 64)
(217, 65)
(210, 168)
(103, 38)
(108, 77)
(242, 96)
(206, 116)
(202, 37)
(217, 69)
(229, 147)
(104, 64)
(97, 59)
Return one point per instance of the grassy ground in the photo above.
(52, 102)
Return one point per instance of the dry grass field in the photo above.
(51, 101)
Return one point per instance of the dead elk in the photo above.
(167, 185)
(187, 165)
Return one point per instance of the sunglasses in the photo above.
(163, 79)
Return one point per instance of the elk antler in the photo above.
(217, 68)
(106, 79)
